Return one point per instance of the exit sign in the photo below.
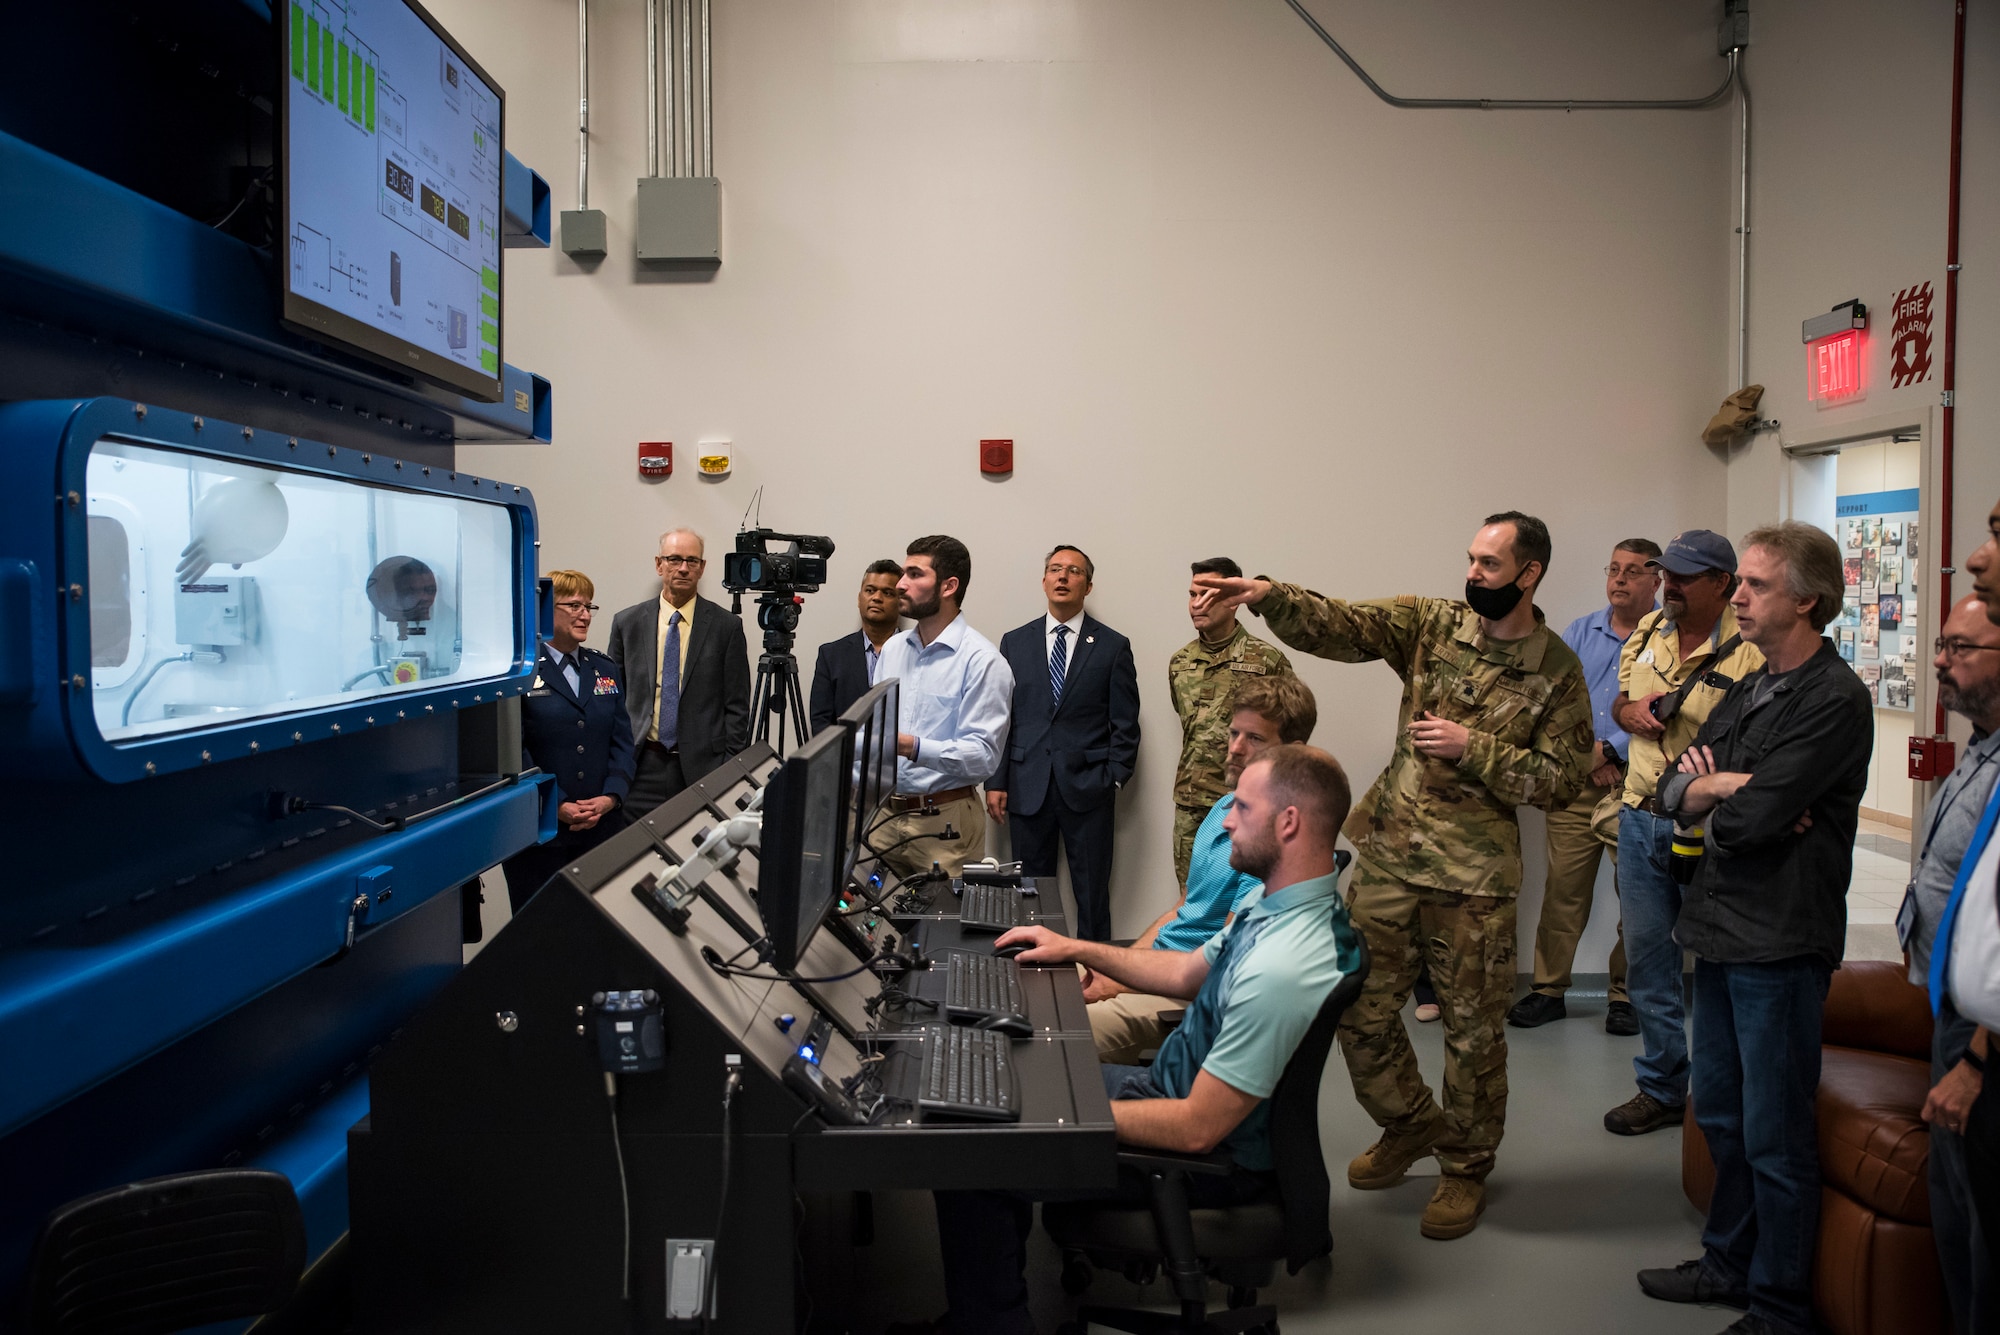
(1833, 368)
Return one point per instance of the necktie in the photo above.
(1059, 663)
(567, 662)
(668, 723)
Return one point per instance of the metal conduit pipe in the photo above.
(668, 143)
(707, 100)
(687, 85)
(652, 87)
(1511, 103)
(1948, 415)
(583, 104)
(1742, 220)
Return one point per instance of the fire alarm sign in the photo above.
(656, 458)
(996, 456)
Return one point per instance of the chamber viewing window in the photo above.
(276, 591)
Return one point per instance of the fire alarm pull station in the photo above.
(1932, 758)
(996, 456)
(656, 458)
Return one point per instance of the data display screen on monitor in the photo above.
(391, 179)
(802, 858)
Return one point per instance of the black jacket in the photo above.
(715, 697)
(1085, 746)
(840, 677)
(582, 738)
(1763, 893)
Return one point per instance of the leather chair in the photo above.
(1875, 1267)
(1239, 1245)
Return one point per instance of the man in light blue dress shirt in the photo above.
(1575, 848)
(954, 694)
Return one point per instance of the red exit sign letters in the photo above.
(1833, 368)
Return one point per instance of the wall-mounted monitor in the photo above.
(390, 163)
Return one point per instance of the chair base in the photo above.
(1233, 1321)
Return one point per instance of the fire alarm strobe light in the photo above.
(996, 456)
(656, 458)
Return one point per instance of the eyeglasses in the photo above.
(1629, 572)
(1960, 648)
(577, 607)
(1077, 571)
(686, 562)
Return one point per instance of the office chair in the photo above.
(167, 1254)
(1239, 1245)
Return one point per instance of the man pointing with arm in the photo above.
(1495, 715)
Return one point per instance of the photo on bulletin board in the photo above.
(1871, 533)
(1871, 630)
(1906, 645)
(1850, 571)
(1889, 612)
(1892, 535)
(1854, 535)
(1846, 642)
(1891, 574)
(1871, 566)
(1910, 540)
(1871, 677)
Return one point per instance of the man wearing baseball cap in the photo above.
(1674, 671)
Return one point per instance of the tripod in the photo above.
(777, 689)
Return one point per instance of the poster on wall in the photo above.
(1878, 536)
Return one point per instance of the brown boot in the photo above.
(1384, 1163)
(1454, 1209)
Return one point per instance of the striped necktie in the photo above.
(1059, 663)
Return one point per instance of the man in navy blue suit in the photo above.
(1074, 739)
(846, 666)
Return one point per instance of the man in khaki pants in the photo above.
(1576, 846)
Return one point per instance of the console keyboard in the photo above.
(967, 1073)
(989, 908)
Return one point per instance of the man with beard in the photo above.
(847, 666)
(954, 694)
(1968, 676)
(1495, 715)
(1674, 671)
(1254, 990)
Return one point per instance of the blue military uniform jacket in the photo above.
(582, 737)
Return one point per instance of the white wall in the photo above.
(1222, 298)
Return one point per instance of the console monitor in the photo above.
(873, 721)
(802, 861)
(390, 163)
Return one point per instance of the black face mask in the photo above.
(1494, 604)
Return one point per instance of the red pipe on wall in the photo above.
(1946, 421)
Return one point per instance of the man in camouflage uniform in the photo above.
(1495, 714)
(1202, 677)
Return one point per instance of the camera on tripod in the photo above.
(754, 567)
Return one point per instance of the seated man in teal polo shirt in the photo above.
(1254, 990)
(1125, 1023)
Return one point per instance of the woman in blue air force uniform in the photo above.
(573, 726)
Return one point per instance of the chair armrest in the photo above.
(1170, 1020)
(1218, 1164)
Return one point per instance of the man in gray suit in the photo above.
(688, 719)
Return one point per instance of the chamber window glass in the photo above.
(283, 591)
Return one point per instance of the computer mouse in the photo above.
(1014, 1026)
(1009, 951)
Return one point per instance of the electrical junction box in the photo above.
(216, 610)
(583, 234)
(680, 218)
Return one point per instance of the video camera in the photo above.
(753, 566)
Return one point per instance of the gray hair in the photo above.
(690, 532)
(1812, 565)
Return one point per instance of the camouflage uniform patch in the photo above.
(1202, 682)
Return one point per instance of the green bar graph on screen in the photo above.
(298, 42)
(369, 118)
(489, 305)
(312, 54)
(343, 76)
(489, 278)
(489, 361)
(326, 63)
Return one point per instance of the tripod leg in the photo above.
(798, 701)
(759, 700)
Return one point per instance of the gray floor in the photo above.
(1572, 1212)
